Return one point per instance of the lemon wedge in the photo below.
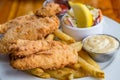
(82, 14)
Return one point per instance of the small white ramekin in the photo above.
(80, 33)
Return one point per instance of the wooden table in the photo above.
(10, 9)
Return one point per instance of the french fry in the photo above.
(70, 76)
(50, 37)
(39, 73)
(88, 59)
(64, 36)
(91, 69)
(77, 45)
(63, 42)
(63, 73)
(75, 66)
(45, 75)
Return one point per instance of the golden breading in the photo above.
(28, 27)
(30, 30)
(49, 10)
(16, 22)
(45, 55)
(27, 47)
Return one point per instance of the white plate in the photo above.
(111, 71)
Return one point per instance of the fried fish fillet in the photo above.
(29, 27)
(48, 10)
(51, 9)
(44, 54)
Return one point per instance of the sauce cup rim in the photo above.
(91, 52)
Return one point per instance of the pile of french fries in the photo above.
(85, 66)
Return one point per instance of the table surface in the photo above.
(10, 9)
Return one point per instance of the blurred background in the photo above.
(10, 9)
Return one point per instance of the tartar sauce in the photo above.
(101, 44)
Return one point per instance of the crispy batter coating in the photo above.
(28, 27)
(49, 10)
(42, 53)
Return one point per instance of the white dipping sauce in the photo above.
(101, 44)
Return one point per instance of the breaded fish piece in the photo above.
(49, 9)
(42, 53)
(28, 27)
(27, 47)
(16, 22)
